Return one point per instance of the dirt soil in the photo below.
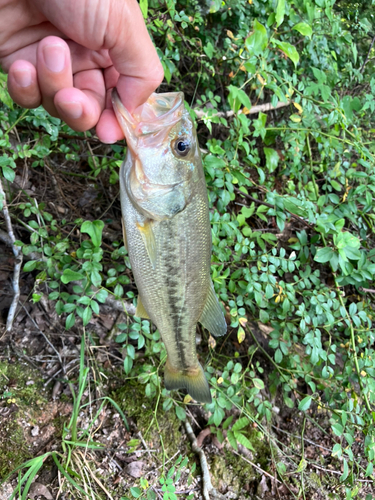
(39, 365)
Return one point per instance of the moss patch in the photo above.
(161, 430)
(21, 390)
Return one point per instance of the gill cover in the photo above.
(156, 181)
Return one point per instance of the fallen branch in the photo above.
(208, 489)
(258, 108)
(18, 262)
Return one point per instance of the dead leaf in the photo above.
(135, 469)
(37, 489)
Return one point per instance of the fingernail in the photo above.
(71, 109)
(54, 57)
(22, 77)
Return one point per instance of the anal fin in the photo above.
(148, 237)
(212, 317)
(141, 312)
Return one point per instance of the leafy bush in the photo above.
(292, 207)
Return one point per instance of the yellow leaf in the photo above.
(298, 106)
(295, 118)
(211, 342)
(242, 68)
(277, 299)
(230, 34)
(260, 79)
(242, 321)
(220, 380)
(187, 399)
(240, 335)
(363, 373)
(245, 111)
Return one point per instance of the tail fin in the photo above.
(195, 382)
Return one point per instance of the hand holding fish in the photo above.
(68, 55)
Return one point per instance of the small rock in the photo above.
(30, 382)
(35, 431)
(38, 489)
(5, 491)
(135, 469)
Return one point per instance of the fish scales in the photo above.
(166, 219)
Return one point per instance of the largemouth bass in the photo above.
(168, 234)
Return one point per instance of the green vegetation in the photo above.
(292, 209)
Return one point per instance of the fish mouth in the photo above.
(151, 122)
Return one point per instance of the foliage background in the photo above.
(292, 209)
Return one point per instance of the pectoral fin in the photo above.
(124, 234)
(212, 317)
(141, 312)
(148, 237)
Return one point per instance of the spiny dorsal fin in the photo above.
(212, 317)
(148, 237)
(141, 312)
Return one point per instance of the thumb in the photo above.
(135, 58)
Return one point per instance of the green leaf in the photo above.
(9, 173)
(101, 296)
(324, 255)
(94, 229)
(244, 441)
(303, 28)
(337, 450)
(305, 403)
(232, 440)
(240, 424)
(259, 384)
(209, 50)
(180, 412)
(70, 320)
(345, 472)
(30, 266)
(272, 159)
(87, 315)
(136, 492)
(128, 364)
(280, 12)
(237, 97)
(68, 275)
(289, 50)
(144, 7)
(258, 40)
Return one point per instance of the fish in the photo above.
(167, 233)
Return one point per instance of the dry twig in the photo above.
(208, 489)
(258, 108)
(18, 262)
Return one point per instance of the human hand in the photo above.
(68, 54)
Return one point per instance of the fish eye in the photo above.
(182, 146)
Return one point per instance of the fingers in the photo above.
(54, 70)
(23, 84)
(79, 101)
(134, 56)
(80, 107)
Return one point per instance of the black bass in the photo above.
(168, 234)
